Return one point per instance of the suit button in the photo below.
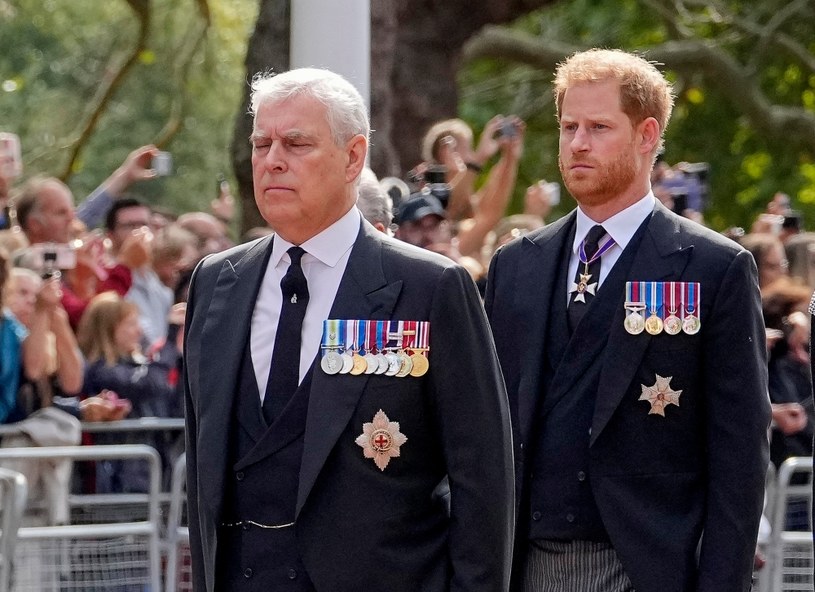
(522, 445)
(239, 475)
(581, 476)
(292, 574)
(247, 573)
(570, 517)
(536, 516)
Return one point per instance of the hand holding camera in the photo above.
(136, 251)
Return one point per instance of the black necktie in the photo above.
(587, 276)
(284, 374)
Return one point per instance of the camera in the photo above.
(47, 259)
(434, 182)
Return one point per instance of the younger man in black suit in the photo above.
(632, 344)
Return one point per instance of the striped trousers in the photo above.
(574, 566)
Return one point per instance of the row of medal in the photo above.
(392, 348)
(655, 307)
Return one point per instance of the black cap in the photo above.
(418, 206)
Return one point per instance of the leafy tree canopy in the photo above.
(83, 83)
(744, 75)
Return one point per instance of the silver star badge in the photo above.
(660, 395)
(381, 439)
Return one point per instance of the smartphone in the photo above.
(507, 128)
(11, 162)
(222, 185)
(163, 164)
(46, 258)
(553, 191)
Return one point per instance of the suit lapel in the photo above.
(662, 255)
(224, 335)
(364, 293)
(539, 260)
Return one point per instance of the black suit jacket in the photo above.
(659, 482)
(359, 527)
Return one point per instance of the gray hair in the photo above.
(346, 113)
(374, 203)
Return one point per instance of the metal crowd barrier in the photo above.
(178, 575)
(142, 424)
(13, 494)
(789, 552)
(110, 554)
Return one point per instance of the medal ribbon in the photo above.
(672, 289)
(349, 335)
(654, 297)
(370, 336)
(400, 336)
(380, 336)
(359, 344)
(692, 298)
(582, 251)
(393, 335)
(423, 336)
(331, 334)
(410, 338)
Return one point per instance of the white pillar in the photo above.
(333, 34)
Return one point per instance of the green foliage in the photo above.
(54, 55)
(746, 168)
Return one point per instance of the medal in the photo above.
(331, 362)
(407, 334)
(634, 305)
(382, 361)
(394, 362)
(346, 332)
(660, 395)
(673, 324)
(381, 440)
(584, 285)
(371, 361)
(692, 322)
(653, 324)
(420, 362)
(359, 362)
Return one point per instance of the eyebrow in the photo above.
(294, 134)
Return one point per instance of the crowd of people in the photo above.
(94, 296)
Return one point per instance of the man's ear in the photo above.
(357, 150)
(649, 135)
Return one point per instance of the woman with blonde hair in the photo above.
(110, 337)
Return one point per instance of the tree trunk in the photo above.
(415, 54)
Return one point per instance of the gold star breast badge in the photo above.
(381, 439)
(660, 395)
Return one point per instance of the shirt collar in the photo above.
(621, 226)
(329, 246)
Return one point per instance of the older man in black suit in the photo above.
(337, 381)
(633, 348)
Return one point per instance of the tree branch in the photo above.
(187, 51)
(688, 57)
(109, 85)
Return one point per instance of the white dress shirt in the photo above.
(324, 262)
(621, 227)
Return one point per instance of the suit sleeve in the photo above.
(191, 435)
(475, 431)
(737, 418)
